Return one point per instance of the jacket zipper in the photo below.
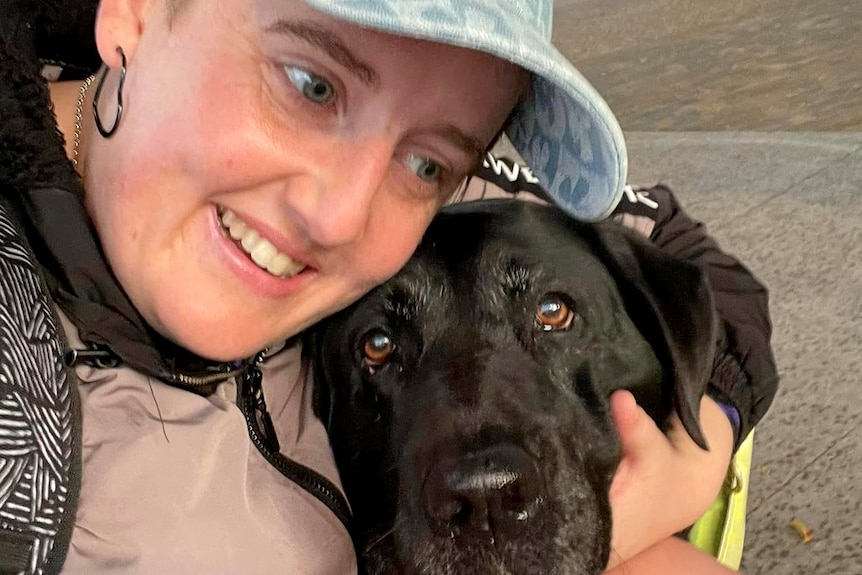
(262, 434)
(200, 380)
(102, 357)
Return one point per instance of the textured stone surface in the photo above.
(725, 175)
(729, 65)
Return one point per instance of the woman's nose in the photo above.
(336, 209)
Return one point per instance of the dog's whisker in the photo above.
(386, 534)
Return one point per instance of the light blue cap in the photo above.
(564, 130)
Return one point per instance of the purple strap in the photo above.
(732, 414)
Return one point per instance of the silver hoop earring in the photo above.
(108, 133)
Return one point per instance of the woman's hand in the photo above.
(664, 482)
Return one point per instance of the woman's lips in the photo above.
(256, 261)
(260, 250)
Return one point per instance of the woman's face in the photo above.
(273, 164)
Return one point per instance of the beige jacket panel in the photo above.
(173, 484)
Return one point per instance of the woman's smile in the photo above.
(260, 259)
(257, 247)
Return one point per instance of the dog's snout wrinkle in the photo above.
(484, 496)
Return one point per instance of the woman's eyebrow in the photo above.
(330, 43)
(471, 145)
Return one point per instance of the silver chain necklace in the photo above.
(79, 117)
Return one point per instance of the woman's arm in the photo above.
(664, 482)
(672, 556)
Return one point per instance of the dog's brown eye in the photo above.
(553, 314)
(377, 349)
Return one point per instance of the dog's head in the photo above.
(467, 398)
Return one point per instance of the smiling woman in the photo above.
(261, 165)
(310, 131)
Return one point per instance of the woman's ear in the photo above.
(121, 23)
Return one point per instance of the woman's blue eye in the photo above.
(315, 88)
(426, 169)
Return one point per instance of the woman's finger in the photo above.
(638, 433)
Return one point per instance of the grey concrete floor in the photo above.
(708, 93)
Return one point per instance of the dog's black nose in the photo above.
(483, 495)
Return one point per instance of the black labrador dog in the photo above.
(467, 398)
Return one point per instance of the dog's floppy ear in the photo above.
(669, 301)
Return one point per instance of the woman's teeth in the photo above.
(259, 249)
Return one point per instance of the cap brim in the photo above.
(564, 130)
